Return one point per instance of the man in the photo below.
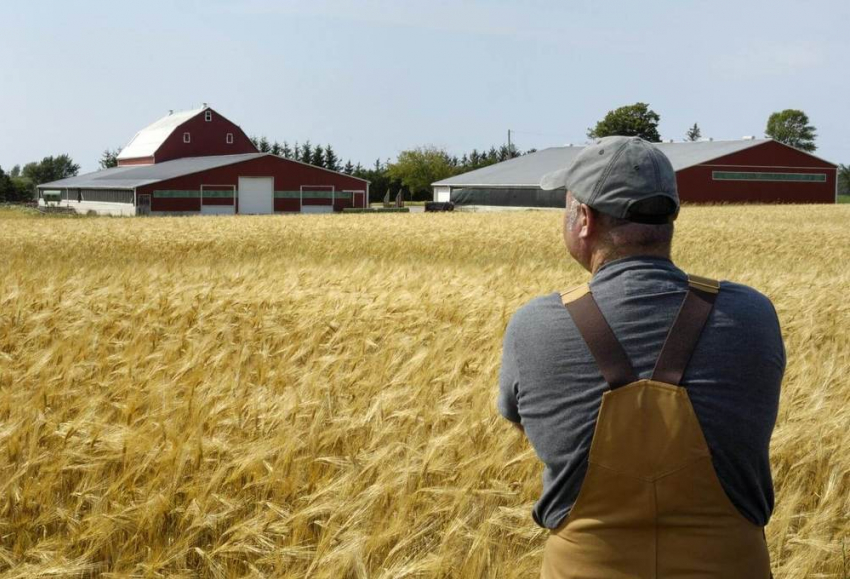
(652, 392)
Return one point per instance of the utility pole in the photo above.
(509, 143)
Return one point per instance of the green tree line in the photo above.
(19, 184)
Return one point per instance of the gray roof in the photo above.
(132, 176)
(527, 170)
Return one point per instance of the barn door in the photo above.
(256, 195)
(144, 202)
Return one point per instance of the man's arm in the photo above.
(509, 384)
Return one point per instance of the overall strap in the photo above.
(686, 329)
(607, 351)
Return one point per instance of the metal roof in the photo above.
(131, 176)
(148, 140)
(528, 169)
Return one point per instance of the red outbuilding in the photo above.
(766, 172)
(743, 171)
(198, 162)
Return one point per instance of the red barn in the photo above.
(744, 171)
(198, 162)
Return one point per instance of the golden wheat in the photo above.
(313, 396)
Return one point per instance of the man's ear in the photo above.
(587, 220)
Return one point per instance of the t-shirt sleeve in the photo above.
(780, 343)
(509, 378)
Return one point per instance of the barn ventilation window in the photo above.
(760, 176)
(208, 116)
(229, 138)
(187, 138)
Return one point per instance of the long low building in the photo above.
(176, 166)
(742, 171)
(252, 183)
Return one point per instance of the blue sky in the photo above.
(375, 77)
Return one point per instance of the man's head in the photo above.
(621, 200)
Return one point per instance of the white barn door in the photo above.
(256, 195)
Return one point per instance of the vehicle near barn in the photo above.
(198, 162)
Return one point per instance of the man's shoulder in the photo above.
(740, 307)
(536, 312)
(743, 298)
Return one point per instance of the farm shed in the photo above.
(162, 171)
(744, 171)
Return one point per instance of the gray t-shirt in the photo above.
(551, 384)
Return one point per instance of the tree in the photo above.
(24, 189)
(14, 188)
(15, 172)
(417, 168)
(636, 120)
(7, 189)
(349, 168)
(306, 152)
(844, 179)
(50, 169)
(263, 145)
(286, 151)
(318, 158)
(331, 160)
(275, 149)
(109, 158)
(508, 152)
(694, 133)
(474, 159)
(792, 127)
(296, 152)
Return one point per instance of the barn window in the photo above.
(187, 138)
(208, 116)
(761, 176)
(229, 138)
(106, 195)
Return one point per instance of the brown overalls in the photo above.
(651, 505)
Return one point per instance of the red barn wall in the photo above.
(696, 184)
(288, 176)
(206, 138)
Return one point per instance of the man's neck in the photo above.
(601, 257)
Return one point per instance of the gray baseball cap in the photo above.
(625, 177)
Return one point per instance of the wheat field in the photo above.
(314, 396)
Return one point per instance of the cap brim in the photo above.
(554, 180)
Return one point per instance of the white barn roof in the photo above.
(148, 140)
(526, 171)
